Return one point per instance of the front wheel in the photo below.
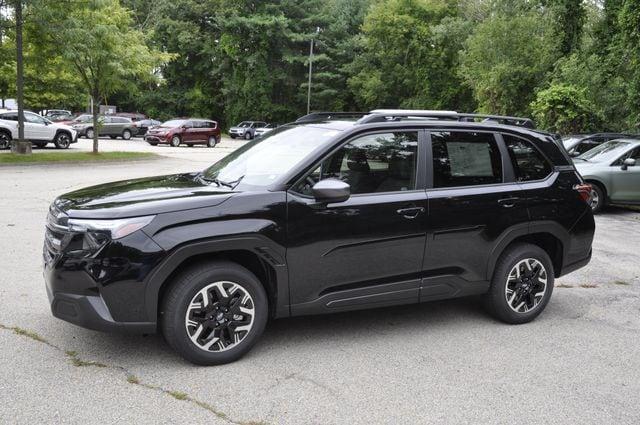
(175, 141)
(5, 140)
(522, 284)
(247, 136)
(62, 140)
(89, 133)
(212, 141)
(214, 313)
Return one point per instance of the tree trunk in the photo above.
(95, 108)
(20, 146)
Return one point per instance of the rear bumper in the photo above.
(92, 313)
(568, 268)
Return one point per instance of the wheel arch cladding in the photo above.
(260, 261)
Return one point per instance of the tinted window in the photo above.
(373, 163)
(11, 116)
(528, 163)
(120, 120)
(585, 146)
(465, 159)
(33, 118)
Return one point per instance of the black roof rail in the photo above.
(327, 116)
(380, 115)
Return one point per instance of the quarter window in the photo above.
(465, 159)
(374, 163)
(528, 163)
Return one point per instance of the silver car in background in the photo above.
(613, 169)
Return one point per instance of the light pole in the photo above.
(310, 71)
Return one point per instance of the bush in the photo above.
(564, 109)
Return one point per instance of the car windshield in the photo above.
(570, 141)
(173, 123)
(605, 152)
(244, 124)
(258, 164)
(83, 118)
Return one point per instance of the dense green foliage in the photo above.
(574, 65)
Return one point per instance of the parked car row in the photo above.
(250, 129)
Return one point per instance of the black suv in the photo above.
(323, 216)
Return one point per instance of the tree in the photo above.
(564, 109)
(506, 58)
(96, 37)
(409, 56)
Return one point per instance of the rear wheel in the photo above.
(598, 198)
(5, 140)
(89, 133)
(175, 141)
(62, 140)
(126, 134)
(522, 284)
(214, 313)
(212, 141)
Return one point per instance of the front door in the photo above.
(625, 181)
(473, 199)
(368, 250)
(35, 127)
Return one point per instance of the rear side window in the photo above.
(528, 163)
(465, 159)
(11, 116)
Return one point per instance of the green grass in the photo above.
(55, 157)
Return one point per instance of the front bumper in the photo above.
(91, 312)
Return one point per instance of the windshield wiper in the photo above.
(219, 182)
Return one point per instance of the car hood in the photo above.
(238, 128)
(146, 196)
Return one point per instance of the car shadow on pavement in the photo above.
(353, 327)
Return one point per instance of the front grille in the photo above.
(56, 234)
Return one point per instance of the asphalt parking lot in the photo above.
(443, 362)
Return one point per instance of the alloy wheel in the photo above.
(220, 316)
(175, 141)
(526, 285)
(63, 141)
(5, 140)
(90, 133)
(595, 200)
(126, 135)
(211, 142)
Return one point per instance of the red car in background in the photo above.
(191, 131)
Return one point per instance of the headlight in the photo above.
(114, 229)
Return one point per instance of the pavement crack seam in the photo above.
(131, 378)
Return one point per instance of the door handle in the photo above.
(410, 212)
(508, 202)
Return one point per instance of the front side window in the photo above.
(585, 146)
(33, 118)
(465, 159)
(374, 163)
(528, 163)
(634, 154)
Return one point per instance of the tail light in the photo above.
(584, 190)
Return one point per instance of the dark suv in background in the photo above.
(323, 216)
(192, 131)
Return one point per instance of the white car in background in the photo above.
(38, 130)
(263, 130)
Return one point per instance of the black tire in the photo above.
(496, 300)
(184, 290)
(175, 141)
(5, 140)
(233, 136)
(113, 137)
(212, 142)
(126, 134)
(247, 135)
(598, 198)
(153, 143)
(62, 140)
(89, 133)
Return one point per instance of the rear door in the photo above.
(625, 181)
(106, 126)
(473, 200)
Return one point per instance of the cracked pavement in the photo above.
(443, 362)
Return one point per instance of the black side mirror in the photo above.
(629, 162)
(330, 191)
